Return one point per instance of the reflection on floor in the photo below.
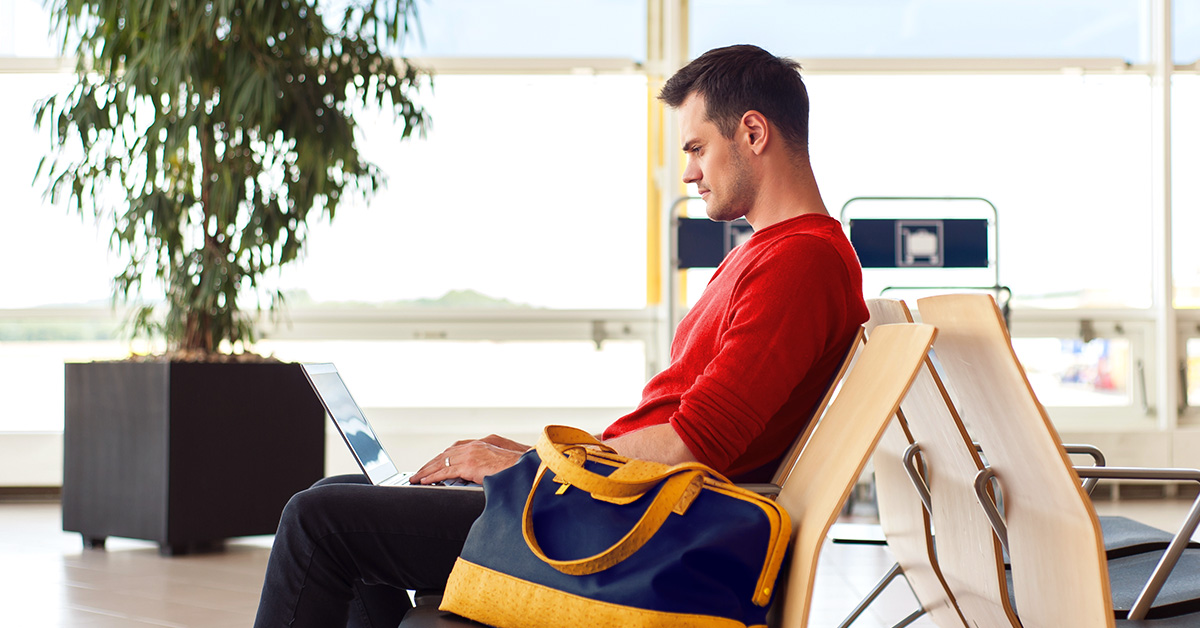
(47, 580)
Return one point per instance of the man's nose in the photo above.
(691, 173)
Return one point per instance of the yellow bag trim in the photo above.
(499, 599)
(781, 532)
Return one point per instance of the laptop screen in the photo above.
(354, 427)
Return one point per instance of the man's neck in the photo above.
(784, 194)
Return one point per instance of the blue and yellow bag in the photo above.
(574, 535)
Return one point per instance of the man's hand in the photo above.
(471, 460)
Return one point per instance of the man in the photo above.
(749, 361)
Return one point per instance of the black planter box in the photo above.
(186, 454)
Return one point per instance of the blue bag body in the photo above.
(713, 565)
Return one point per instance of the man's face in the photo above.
(714, 163)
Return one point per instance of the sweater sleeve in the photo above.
(787, 311)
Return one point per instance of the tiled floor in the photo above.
(48, 580)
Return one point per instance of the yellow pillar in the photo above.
(666, 44)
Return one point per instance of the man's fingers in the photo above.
(437, 476)
(437, 465)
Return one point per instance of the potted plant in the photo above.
(208, 133)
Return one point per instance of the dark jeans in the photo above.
(346, 552)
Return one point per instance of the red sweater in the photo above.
(754, 356)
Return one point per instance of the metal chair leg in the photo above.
(862, 606)
(910, 619)
(883, 584)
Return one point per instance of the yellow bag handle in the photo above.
(634, 479)
(674, 489)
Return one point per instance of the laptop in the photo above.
(357, 432)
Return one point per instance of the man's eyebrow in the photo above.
(687, 148)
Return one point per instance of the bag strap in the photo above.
(633, 479)
(674, 489)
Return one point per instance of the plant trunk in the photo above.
(198, 317)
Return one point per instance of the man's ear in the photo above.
(757, 131)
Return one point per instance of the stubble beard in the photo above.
(737, 199)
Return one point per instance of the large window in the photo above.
(529, 190)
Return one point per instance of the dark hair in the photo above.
(736, 79)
